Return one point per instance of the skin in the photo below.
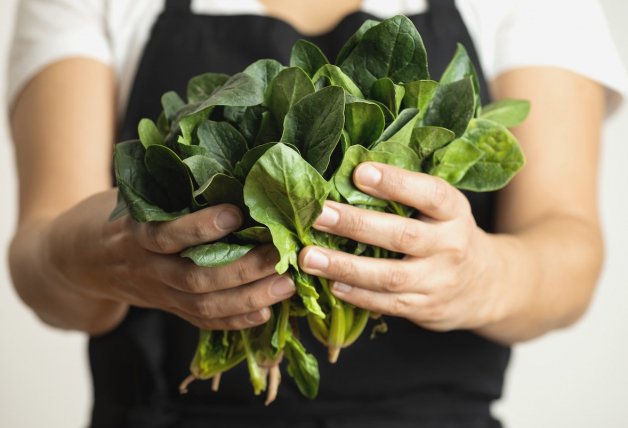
(78, 271)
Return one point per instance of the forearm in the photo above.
(47, 292)
(545, 276)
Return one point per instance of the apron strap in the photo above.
(178, 6)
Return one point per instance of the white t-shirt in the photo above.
(507, 34)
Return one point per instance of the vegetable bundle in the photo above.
(278, 141)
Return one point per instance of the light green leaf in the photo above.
(216, 254)
(336, 77)
(452, 162)
(452, 106)
(289, 87)
(508, 113)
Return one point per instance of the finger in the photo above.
(182, 274)
(388, 275)
(235, 301)
(397, 304)
(200, 227)
(430, 195)
(389, 231)
(236, 322)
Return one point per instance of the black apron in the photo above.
(408, 377)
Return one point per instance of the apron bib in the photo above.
(408, 377)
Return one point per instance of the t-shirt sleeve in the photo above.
(47, 31)
(568, 34)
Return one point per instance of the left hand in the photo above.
(442, 283)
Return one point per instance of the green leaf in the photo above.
(388, 93)
(336, 77)
(307, 56)
(508, 113)
(121, 209)
(172, 174)
(269, 131)
(264, 71)
(302, 367)
(283, 189)
(240, 90)
(501, 161)
(222, 189)
(203, 86)
(306, 289)
(244, 165)
(257, 234)
(149, 134)
(364, 122)
(216, 352)
(247, 120)
(452, 106)
(172, 104)
(189, 124)
(394, 155)
(353, 41)
(401, 129)
(216, 254)
(290, 86)
(314, 125)
(202, 168)
(427, 139)
(452, 162)
(419, 94)
(392, 49)
(223, 143)
(461, 67)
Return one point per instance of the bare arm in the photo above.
(77, 270)
(538, 274)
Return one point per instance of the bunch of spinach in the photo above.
(277, 141)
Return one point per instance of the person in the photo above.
(481, 272)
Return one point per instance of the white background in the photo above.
(576, 378)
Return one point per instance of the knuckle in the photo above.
(355, 223)
(193, 280)
(234, 323)
(203, 308)
(201, 231)
(396, 280)
(252, 302)
(157, 239)
(407, 237)
(401, 304)
(242, 272)
(437, 194)
(343, 270)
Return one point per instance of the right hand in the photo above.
(138, 264)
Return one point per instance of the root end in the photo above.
(216, 382)
(334, 352)
(274, 379)
(183, 388)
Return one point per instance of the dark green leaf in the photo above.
(336, 77)
(172, 174)
(314, 125)
(216, 254)
(149, 134)
(392, 49)
(171, 102)
(223, 143)
(388, 93)
(202, 168)
(364, 122)
(508, 113)
(302, 367)
(188, 125)
(452, 106)
(269, 131)
(245, 164)
(353, 41)
(307, 56)
(221, 189)
(461, 67)
(452, 162)
(264, 71)
(290, 86)
(120, 210)
(306, 289)
(240, 90)
(501, 161)
(203, 86)
(247, 120)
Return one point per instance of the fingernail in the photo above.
(316, 260)
(368, 175)
(341, 287)
(228, 220)
(282, 287)
(257, 317)
(329, 217)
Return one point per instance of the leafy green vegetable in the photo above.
(278, 142)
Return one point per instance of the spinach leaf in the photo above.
(203, 86)
(264, 71)
(353, 41)
(202, 168)
(401, 129)
(461, 67)
(306, 289)
(257, 234)
(247, 120)
(172, 104)
(427, 139)
(314, 125)
(501, 161)
(216, 254)
(452, 106)
(290, 86)
(223, 143)
(336, 77)
(508, 113)
(388, 93)
(392, 49)
(172, 174)
(418, 94)
(452, 162)
(302, 367)
(307, 56)
(149, 134)
(240, 90)
(222, 189)
(364, 123)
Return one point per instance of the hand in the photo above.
(138, 264)
(442, 282)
